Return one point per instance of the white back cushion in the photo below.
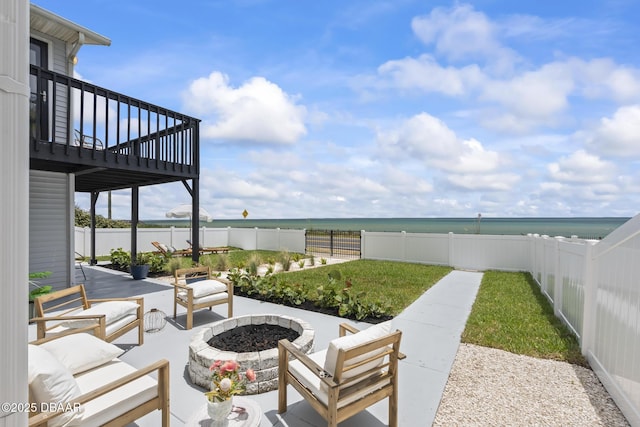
(351, 340)
(207, 287)
(50, 382)
(113, 311)
(81, 352)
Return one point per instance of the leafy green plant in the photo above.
(290, 294)
(323, 261)
(120, 258)
(326, 296)
(38, 290)
(143, 258)
(312, 261)
(301, 263)
(157, 263)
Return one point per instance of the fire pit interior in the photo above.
(250, 340)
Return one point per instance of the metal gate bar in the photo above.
(334, 243)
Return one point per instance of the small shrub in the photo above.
(222, 263)
(323, 261)
(120, 258)
(253, 263)
(301, 263)
(312, 261)
(285, 259)
(173, 265)
(157, 263)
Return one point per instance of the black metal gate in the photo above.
(334, 243)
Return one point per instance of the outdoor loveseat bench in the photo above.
(76, 378)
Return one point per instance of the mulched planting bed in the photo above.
(310, 306)
(244, 339)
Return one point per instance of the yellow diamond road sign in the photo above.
(245, 213)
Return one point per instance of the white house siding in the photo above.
(50, 216)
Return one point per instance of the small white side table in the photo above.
(245, 413)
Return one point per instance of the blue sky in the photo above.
(369, 108)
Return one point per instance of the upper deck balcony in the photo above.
(108, 140)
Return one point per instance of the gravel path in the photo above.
(489, 387)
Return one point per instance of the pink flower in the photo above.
(251, 375)
(228, 366)
(215, 365)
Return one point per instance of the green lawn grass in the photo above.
(511, 313)
(395, 283)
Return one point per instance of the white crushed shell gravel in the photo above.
(490, 387)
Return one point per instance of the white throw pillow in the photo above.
(113, 311)
(207, 287)
(81, 352)
(52, 383)
(351, 340)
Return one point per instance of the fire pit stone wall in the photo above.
(264, 363)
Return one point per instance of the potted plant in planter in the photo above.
(140, 269)
(38, 289)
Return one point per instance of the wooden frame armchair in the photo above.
(70, 308)
(195, 288)
(79, 371)
(355, 372)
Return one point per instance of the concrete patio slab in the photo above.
(431, 328)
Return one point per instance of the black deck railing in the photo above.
(334, 243)
(92, 122)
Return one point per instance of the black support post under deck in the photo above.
(94, 200)
(195, 220)
(135, 193)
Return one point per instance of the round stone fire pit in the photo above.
(264, 363)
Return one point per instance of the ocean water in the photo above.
(588, 228)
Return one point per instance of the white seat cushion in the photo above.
(317, 387)
(50, 382)
(81, 352)
(113, 311)
(351, 340)
(205, 299)
(115, 403)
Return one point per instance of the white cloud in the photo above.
(258, 111)
(426, 74)
(428, 139)
(462, 33)
(466, 164)
(536, 94)
(618, 135)
(487, 182)
(581, 167)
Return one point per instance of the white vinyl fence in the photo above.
(594, 286)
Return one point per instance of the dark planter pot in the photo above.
(139, 271)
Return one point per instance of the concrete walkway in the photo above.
(431, 328)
